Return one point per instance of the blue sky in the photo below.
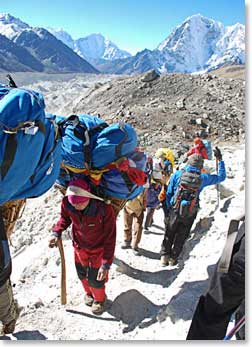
(131, 24)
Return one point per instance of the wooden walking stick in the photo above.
(63, 273)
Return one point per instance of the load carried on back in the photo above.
(106, 154)
(201, 147)
(37, 149)
(30, 149)
(166, 159)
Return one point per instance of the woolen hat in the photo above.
(196, 160)
(77, 191)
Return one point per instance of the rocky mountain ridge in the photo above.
(171, 109)
(166, 110)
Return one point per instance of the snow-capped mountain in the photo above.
(96, 46)
(11, 26)
(91, 47)
(63, 36)
(199, 44)
(191, 45)
(54, 54)
(47, 53)
(230, 48)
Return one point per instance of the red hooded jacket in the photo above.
(199, 149)
(94, 227)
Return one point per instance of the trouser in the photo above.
(131, 220)
(177, 230)
(87, 263)
(165, 209)
(149, 217)
(225, 294)
(118, 205)
(8, 306)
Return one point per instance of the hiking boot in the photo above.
(88, 300)
(173, 261)
(136, 251)
(126, 245)
(164, 260)
(9, 328)
(98, 307)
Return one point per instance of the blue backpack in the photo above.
(119, 184)
(29, 146)
(114, 183)
(78, 134)
(113, 142)
(209, 150)
(89, 142)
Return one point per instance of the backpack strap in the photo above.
(55, 142)
(118, 148)
(127, 181)
(9, 155)
(225, 259)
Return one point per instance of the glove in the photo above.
(217, 154)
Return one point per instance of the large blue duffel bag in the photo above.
(29, 145)
(112, 143)
(78, 134)
(126, 184)
(88, 141)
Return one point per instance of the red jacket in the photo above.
(199, 149)
(92, 228)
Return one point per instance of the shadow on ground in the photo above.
(135, 310)
(88, 315)
(166, 276)
(25, 335)
(162, 277)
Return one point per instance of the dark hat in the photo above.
(196, 160)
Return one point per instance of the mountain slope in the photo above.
(141, 62)
(93, 48)
(42, 47)
(11, 26)
(16, 58)
(55, 56)
(96, 46)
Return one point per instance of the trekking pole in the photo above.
(63, 272)
(235, 329)
(217, 186)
